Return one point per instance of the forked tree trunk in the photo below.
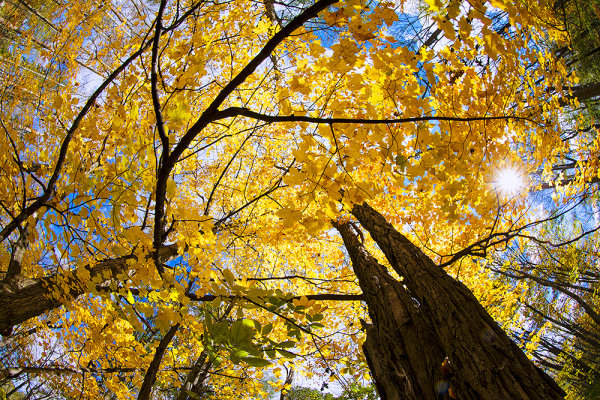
(196, 385)
(486, 363)
(401, 348)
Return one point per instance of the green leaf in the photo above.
(207, 320)
(241, 353)
(275, 301)
(216, 303)
(257, 362)
(286, 353)
(219, 329)
(257, 326)
(229, 278)
(217, 361)
(267, 329)
(287, 344)
(295, 333)
(242, 331)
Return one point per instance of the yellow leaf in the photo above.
(434, 5)
(289, 216)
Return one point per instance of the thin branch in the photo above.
(316, 297)
(51, 187)
(150, 377)
(160, 126)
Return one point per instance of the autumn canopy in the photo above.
(190, 188)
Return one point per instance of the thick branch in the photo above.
(24, 298)
(159, 208)
(209, 114)
(160, 126)
(18, 252)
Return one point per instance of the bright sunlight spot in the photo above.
(508, 181)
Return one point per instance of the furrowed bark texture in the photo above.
(486, 363)
(401, 349)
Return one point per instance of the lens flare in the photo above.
(509, 181)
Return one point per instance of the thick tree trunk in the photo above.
(486, 363)
(401, 348)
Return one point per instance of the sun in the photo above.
(508, 181)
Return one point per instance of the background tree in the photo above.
(557, 303)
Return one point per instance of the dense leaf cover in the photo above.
(170, 172)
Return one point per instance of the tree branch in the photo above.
(208, 115)
(239, 111)
(24, 298)
(150, 377)
(51, 187)
(314, 296)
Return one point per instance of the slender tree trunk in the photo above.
(582, 93)
(486, 364)
(150, 377)
(289, 379)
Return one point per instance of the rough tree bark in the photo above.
(485, 362)
(401, 349)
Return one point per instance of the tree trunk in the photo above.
(587, 91)
(401, 348)
(196, 382)
(289, 380)
(486, 363)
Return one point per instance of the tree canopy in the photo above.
(172, 169)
